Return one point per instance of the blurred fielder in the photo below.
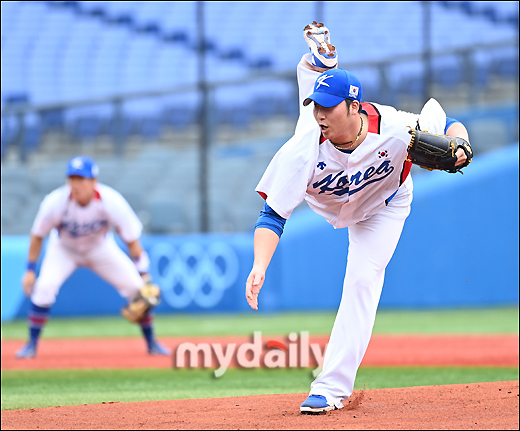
(351, 162)
(78, 216)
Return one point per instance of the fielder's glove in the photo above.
(148, 297)
(437, 152)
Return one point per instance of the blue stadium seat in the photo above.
(368, 23)
(65, 51)
(136, 76)
(89, 6)
(10, 10)
(102, 76)
(348, 45)
(180, 16)
(493, 11)
(471, 29)
(46, 53)
(230, 27)
(75, 68)
(26, 25)
(106, 60)
(150, 12)
(174, 66)
(181, 110)
(406, 77)
(370, 81)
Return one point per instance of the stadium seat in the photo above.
(56, 52)
(42, 79)
(25, 28)
(74, 71)
(178, 15)
(10, 10)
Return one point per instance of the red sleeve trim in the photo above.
(264, 196)
(407, 166)
(374, 118)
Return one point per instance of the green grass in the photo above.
(467, 321)
(32, 389)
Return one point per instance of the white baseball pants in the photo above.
(372, 243)
(107, 260)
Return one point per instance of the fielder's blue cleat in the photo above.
(27, 351)
(317, 37)
(157, 349)
(315, 404)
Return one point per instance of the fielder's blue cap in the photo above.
(333, 87)
(82, 166)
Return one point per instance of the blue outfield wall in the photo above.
(459, 248)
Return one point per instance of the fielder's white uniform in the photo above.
(81, 236)
(350, 189)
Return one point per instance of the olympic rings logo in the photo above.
(193, 273)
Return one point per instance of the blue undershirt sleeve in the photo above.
(449, 122)
(271, 220)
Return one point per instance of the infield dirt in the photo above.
(383, 350)
(463, 406)
(466, 406)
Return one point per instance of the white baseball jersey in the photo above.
(81, 237)
(81, 228)
(345, 187)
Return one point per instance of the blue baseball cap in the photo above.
(82, 166)
(333, 87)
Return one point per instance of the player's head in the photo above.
(335, 86)
(82, 175)
(82, 166)
(336, 118)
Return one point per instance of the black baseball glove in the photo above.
(437, 152)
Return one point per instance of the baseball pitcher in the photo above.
(351, 162)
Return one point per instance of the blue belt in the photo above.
(387, 201)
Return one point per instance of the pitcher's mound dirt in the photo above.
(465, 406)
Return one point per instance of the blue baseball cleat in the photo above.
(155, 348)
(315, 404)
(317, 37)
(27, 351)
